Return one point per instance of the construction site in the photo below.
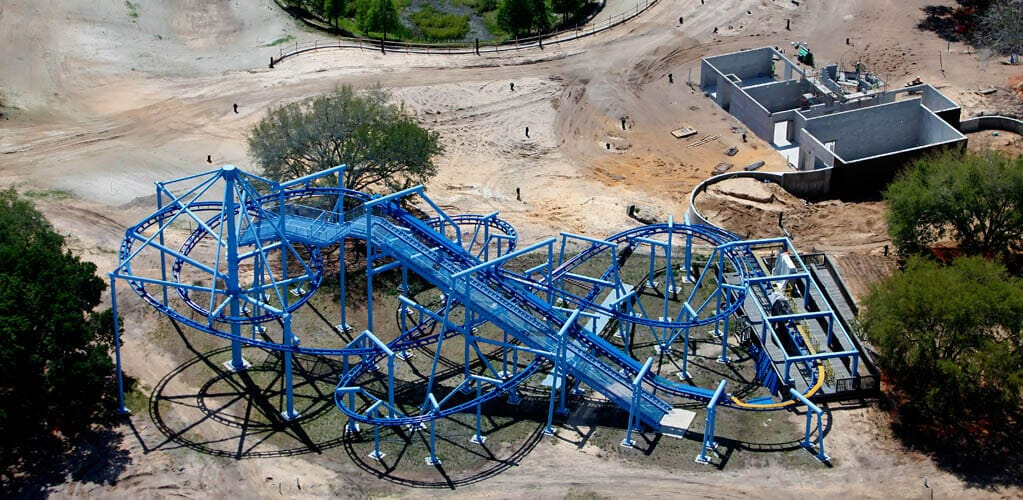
(605, 302)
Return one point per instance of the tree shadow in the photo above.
(388, 469)
(95, 457)
(244, 407)
(984, 454)
(953, 23)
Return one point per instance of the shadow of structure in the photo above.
(202, 406)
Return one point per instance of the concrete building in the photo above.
(844, 132)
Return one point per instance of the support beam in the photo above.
(708, 431)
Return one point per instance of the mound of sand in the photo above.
(750, 207)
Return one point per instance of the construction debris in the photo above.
(703, 141)
(683, 132)
(987, 91)
(753, 166)
(633, 211)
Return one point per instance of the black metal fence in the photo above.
(454, 48)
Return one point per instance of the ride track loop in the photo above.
(235, 267)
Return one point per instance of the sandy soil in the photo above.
(105, 104)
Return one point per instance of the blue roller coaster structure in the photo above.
(235, 255)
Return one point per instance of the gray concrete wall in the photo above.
(752, 115)
(712, 80)
(745, 64)
(935, 101)
(812, 153)
(779, 96)
(708, 76)
(870, 131)
(696, 217)
(815, 184)
(871, 176)
(979, 123)
(935, 130)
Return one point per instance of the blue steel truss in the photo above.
(253, 253)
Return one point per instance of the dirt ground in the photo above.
(103, 99)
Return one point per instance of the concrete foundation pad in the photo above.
(549, 381)
(676, 422)
(235, 369)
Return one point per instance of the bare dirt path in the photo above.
(111, 96)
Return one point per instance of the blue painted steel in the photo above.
(812, 410)
(708, 431)
(123, 410)
(462, 268)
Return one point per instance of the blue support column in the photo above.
(289, 412)
(548, 430)
(720, 291)
(562, 379)
(811, 410)
(123, 410)
(670, 286)
(687, 314)
(163, 255)
(637, 387)
(237, 363)
(376, 454)
(343, 326)
(556, 380)
(708, 431)
(432, 459)
(369, 268)
(688, 264)
(478, 437)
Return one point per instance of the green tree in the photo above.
(524, 16)
(333, 10)
(950, 339)
(381, 144)
(1000, 27)
(566, 7)
(55, 368)
(378, 16)
(975, 199)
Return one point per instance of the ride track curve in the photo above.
(261, 216)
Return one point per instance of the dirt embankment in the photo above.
(751, 207)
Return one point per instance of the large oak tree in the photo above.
(381, 143)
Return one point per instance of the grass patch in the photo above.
(133, 10)
(490, 22)
(480, 6)
(49, 194)
(279, 41)
(136, 399)
(436, 25)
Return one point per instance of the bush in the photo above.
(55, 370)
(974, 199)
(436, 25)
(950, 340)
